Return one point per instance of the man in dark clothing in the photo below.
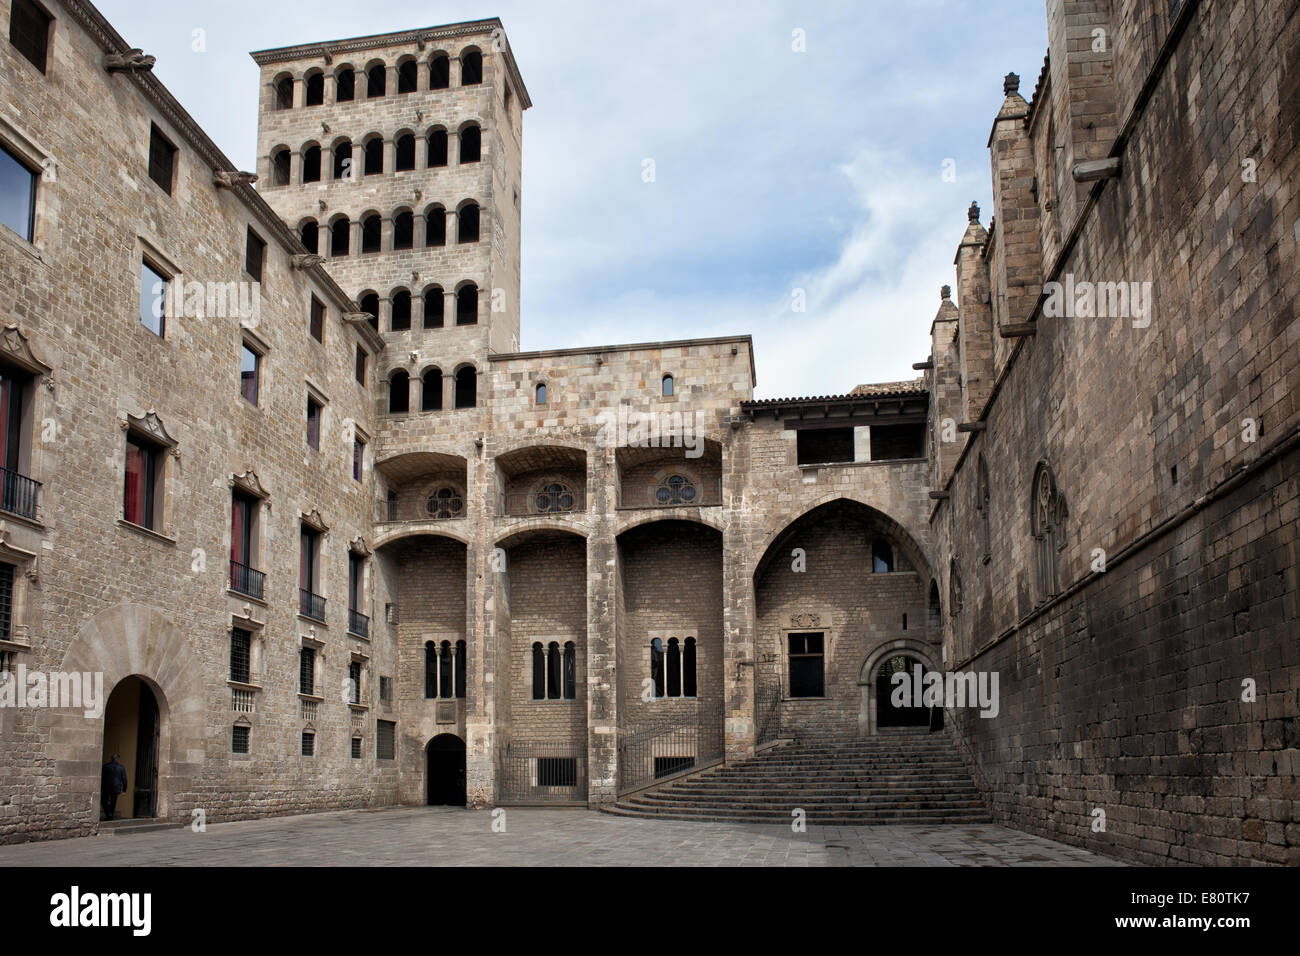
(112, 783)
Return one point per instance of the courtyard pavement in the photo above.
(444, 836)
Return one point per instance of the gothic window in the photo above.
(555, 497)
(954, 588)
(461, 660)
(430, 670)
(553, 671)
(657, 665)
(444, 503)
(1047, 515)
(882, 556)
(570, 683)
(445, 670)
(675, 490)
(672, 667)
(437, 149)
(982, 507)
(541, 393)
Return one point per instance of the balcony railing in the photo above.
(549, 502)
(671, 493)
(311, 605)
(246, 580)
(358, 623)
(18, 495)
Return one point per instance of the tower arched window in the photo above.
(372, 231)
(315, 89)
(440, 72)
(404, 153)
(404, 230)
(433, 302)
(437, 148)
(280, 167)
(431, 390)
(374, 156)
(471, 68)
(343, 160)
(467, 304)
(435, 226)
(376, 81)
(471, 144)
(284, 93)
(399, 392)
(1046, 521)
(309, 234)
(467, 223)
(340, 232)
(466, 387)
(407, 71)
(667, 386)
(401, 311)
(369, 302)
(345, 85)
(311, 164)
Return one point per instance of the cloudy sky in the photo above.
(774, 170)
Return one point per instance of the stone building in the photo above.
(332, 540)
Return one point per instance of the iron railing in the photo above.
(647, 755)
(544, 773)
(358, 623)
(767, 709)
(246, 580)
(525, 504)
(19, 493)
(311, 605)
(670, 494)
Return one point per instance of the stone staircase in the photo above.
(853, 781)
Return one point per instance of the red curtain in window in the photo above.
(238, 526)
(134, 499)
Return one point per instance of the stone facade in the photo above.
(561, 575)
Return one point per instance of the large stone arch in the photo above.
(135, 640)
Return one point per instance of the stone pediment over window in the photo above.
(151, 426)
(15, 348)
(313, 519)
(806, 620)
(358, 546)
(249, 483)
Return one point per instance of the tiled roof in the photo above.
(877, 390)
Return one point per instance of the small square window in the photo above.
(308, 744)
(314, 409)
(18, 194)
(153, 299)
(239, 740)
(317, 327)
(29, 31)
(162, 159)
(254, 255)
(250, 372)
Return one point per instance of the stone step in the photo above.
(851, 818)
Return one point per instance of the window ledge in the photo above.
(21, 244)
(312, 620)
(860, 464)
(246, 597)
(241, 685)
(141, 529)
(359, 708)
(302, 696)
(15, 647)
(23, 519)
(795, 699)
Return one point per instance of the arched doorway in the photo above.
(914, 716)
(445, 775)
(132, 730)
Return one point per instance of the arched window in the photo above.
(471, 144)
(445, 685)
(570, 671)
(404, 153)
(467, 223)
(280, 167)
(309, 233)
(404, 230)
(934, 614)
(370, 303)
(668, 386)
(401, 321)
(555, 497)
(466, 387)
(340, 230)
(471, 68)
(439, 72)
(430, 670)
(673, 664)
(539, 671)
(1046, 522)
(343, 160)
(982, 506)
(882, 556)
(284, 93)
(372, 230)
(399, 392)
(345, 85)
(433, 300)
(688, 668)
(316, 89)
(467, 305)
(444, 503)
(675, 490)
(311, 164)
(954, 588)
(376, 80)
(437, 149)
(406, 73)
(553, 671)
(374, 156)
(431, 390)
(657, 665)
(435, 226)
(461, 662)
(540, 394)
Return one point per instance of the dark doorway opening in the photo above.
(446, 771)
(917, 715)
(132, 725)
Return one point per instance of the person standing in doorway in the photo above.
(112, 783)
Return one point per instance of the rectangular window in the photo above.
(162, 159)
(313, 423)
(386, 740)
(356, 748)
(239, 740)
(362, 362)
(897, 442)
(18, 194)
(385, 688)
(153, 299)
(354, 682)
(6, 601)
(358, 458)
(819, 446)
(254, 255)
(308, 744)
(19, 492)
(241, 643)
(307, 671)
(250, 370)
(311, 604)
(141, 496)
(807, 665)
(29, 31)
(244, 576)
(317, 326)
